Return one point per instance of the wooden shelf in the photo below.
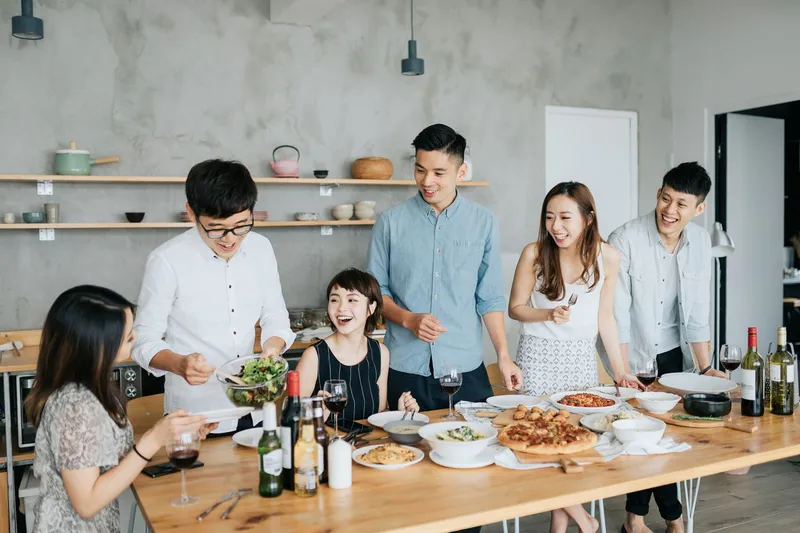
(163, 225)
(178, 179)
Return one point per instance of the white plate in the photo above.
(418, 456)
(554, 399)
(379, 419)
(626, 392)
(485, 458)
(510, 401)
(592, 422)
(248, 437)
(235, 413)
(688, 382)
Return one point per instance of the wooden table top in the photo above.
(430, 498)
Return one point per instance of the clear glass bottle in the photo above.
(306, 453)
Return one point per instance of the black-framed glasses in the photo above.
(220, 233)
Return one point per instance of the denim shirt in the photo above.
(638, 302)
(448, 266)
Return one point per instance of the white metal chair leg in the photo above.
(133, 517)
(516, 525)
(505, 526)
(602, 511)
(691, 488)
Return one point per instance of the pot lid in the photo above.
(72, 149)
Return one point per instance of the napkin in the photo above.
(9, 346)
(507, 459)
(610, 448)
(468, 410)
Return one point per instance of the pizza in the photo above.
(556, 436)
(586, 399)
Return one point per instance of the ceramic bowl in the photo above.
(365, 214)
(369, 204)
(644, 429)
(134, 217)
(321, 174)
(343, 211)
(306, 217)
(33, 218)
(707, 404)
(457, 450)
(657, 402)
(410, 437)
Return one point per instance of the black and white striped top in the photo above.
(363, 398)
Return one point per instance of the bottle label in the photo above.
(749, 385)
(272, 462)
(286, 447)
(775, 373)
(320, 459)
(789, 373)
(306, 478)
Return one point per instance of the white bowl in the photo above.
(369, 204)
(646, 429)
(687, 383)
(384, 417)
(457, 451)
(306, 217)
(657, 402)
(342, 211)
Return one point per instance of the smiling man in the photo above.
(662, 302)
(204, 290)
(437, 260)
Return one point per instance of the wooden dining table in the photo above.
(426, 497)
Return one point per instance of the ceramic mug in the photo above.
(9, 218)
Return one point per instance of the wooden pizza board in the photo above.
(506, 418)
(731, 421)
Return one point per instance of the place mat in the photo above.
(609, 447)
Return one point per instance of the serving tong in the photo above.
(234, 495)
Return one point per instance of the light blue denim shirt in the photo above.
(639, 300)
(448, 266)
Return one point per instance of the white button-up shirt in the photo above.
(194, 301)
(640, 296)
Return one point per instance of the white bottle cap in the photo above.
(270, 419)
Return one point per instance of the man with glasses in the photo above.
(204, 290)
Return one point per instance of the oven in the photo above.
(128, 376)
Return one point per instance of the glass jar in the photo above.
(318, 318)
(297, 319)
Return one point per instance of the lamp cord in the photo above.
(412, 20)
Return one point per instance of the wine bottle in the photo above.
(270, 456)
(752, 377)
(290, 419)
(321, 436)
(306, 453)
(781, 372)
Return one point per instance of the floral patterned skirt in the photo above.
(550, 366)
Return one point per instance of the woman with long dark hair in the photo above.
(563, 295)
(85, 453)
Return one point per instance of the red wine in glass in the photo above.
(730, 366)
(647, 378)
(449, 388)
(335, 405)
(184, 459)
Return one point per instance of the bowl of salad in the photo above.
(264, 380)
(458, 440)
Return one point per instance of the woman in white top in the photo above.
(557, 344)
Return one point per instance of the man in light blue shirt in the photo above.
(662, 303)
(437, 260)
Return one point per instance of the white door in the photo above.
(598, 148)
(754, 213)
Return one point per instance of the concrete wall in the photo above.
(167, 84)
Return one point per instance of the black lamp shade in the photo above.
(412, 65)
(27, 27)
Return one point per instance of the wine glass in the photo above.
(730, 357)
(646, 371)
(183, 453)
(335, 400)
(450, 382)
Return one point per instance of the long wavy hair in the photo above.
(547, 267)
(80, 340)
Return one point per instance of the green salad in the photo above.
(462, 434)
(254, 372)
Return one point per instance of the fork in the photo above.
(239, 494)
(572, 300)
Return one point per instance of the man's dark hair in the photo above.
(689, 178)
(441, 138)
(220, 189)
(352, 279)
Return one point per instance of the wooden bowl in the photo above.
(372, 168)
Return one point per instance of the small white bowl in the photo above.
(369, 204)
(646, 430)
(306, 217)
(457, 451)
(657, 402)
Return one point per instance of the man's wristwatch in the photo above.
(706, 369)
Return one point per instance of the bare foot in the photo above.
(595, 525)
(635, 524)
(675, 526)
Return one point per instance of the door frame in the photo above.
(633, 127)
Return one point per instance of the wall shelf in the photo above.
(162, 225)
(177, 179)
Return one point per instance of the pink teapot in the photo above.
(286, 168)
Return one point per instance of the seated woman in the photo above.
(85, 453)
(354, 305)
